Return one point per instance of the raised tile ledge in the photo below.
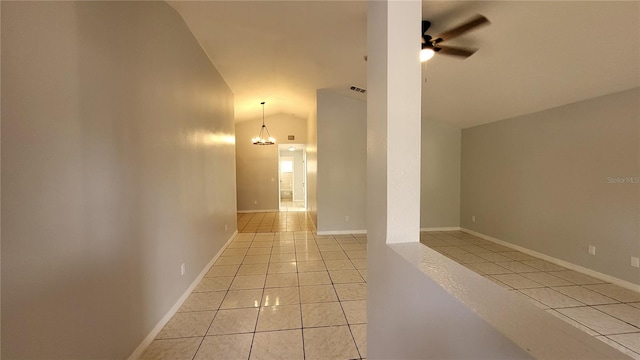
(532, 329)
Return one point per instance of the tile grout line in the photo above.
(617, 302)
(309, 236)
(341, 307)
(541, 268)
(227, 293)
(304, 353)
(633, 351)
(218, 309)
(615, 317)
(255, 326)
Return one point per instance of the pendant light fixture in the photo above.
(260, 140)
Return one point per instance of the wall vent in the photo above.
(360, 90)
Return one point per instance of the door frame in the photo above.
(281, 153)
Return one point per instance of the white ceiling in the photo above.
(280, 52)
(535, 55)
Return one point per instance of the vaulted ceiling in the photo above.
(535, 55)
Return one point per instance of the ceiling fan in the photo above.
(432, 44)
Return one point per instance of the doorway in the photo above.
(292, 177)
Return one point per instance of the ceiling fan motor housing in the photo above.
(429, 42)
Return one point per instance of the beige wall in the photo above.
(257, 166)
(117, 167)
(342, 162)
(544, 182)
(312, 164)
(440, 176)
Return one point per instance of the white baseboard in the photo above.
(342, 232)
(257, 211)
(598, 275)
(452, 228)
(174, 309)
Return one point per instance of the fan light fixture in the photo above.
(260, 140)
(426, 54)
(433, 44)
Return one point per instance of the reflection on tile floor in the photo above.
(277, 295)
(295, 295)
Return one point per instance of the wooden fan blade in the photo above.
(455, 51)
(479, 20)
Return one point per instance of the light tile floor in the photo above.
(292, 205)
(295, 295)
(274, 222)
(606, 311)
(287, 295)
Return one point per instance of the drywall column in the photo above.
(393, 121)
(393, 168)
(312, 163)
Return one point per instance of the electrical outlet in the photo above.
(473, 218)
(182, 268)
(255, 202)
(592, 250)
(635, 262)
(346, 218)
(226, 227)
